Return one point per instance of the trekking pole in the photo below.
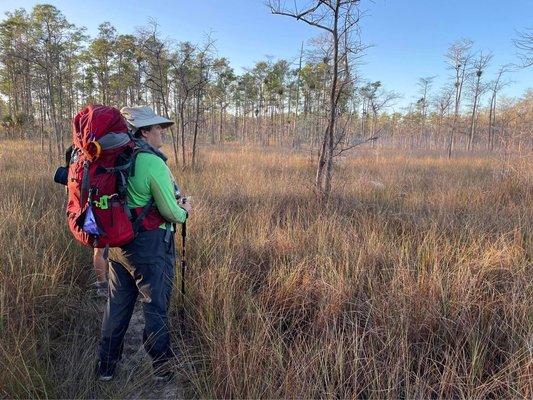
(183, 268)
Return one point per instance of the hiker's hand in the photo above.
(186, 206)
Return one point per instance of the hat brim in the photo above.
(157, 120)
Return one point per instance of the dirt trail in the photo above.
(134, 373)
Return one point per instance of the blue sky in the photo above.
(409, 37)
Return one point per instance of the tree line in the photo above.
(50, 68)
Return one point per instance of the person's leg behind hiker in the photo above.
(100, 264)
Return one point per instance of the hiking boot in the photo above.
(102, 289)
(105, 372)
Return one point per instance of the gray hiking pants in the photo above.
(150, 273)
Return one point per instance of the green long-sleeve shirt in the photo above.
(153, 178)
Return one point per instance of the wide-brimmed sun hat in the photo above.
(140, 117)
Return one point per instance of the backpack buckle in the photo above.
(103, 202)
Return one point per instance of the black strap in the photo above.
(142, 147)
(129, 212)
(118, 169)
(85, 182)
(144, 212)
(123, 185)
(132, 163)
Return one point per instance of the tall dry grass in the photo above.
(415, 281)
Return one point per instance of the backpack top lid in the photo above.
(95, 121)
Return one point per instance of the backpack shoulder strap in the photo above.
(142, 147)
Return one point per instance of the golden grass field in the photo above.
(415, 281)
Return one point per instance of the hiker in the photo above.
(147, 265)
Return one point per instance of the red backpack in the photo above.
(100, 164)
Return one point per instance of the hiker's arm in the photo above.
(162, 188)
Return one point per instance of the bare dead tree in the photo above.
(338, 19)
(184, 87)
(382, 99)
(480, 65)
(376, 99)
(189, 72)
(156, 68)
(353, 144)
(443, 104)
(524, 43)
(459, 57)
(296, 134)
(496, 85)
(424, 85)
(202, 71)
